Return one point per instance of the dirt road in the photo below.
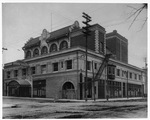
(15, 108)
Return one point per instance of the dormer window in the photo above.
(28, 54)
(53, 48)
(36, 52)
(63, 45)
(44, 50)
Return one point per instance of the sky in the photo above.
(21, 21)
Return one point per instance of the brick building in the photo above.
(118, 45)
(54, 66)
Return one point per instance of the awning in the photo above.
(19, 83)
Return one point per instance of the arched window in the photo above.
(28, 54)
(68, 91)
(63, 45)
(36, 52)
(68, 85)
(53, 48)
(44, 50)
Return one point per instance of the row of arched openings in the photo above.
(44, 49)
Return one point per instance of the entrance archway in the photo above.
(68, 91)
(19, 88)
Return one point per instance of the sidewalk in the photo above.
(70, 100)
(64, 100)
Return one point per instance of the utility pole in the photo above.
(86, 32)
(93, 83)
(107, 95)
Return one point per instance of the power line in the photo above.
(56, 12)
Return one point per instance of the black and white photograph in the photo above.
(74, 60)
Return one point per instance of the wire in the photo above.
(69, 20)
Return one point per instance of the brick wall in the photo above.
(54, 85)
(80, 40)
(119, 48)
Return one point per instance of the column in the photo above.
(122, 89)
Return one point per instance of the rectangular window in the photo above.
(95, 66)
(55, 66)
(131, 75)
(24, 72)
(43, 69)
(118, 72)
(109, 70)
(122, 73)
(139, 77)
(101, 47)
(62, 64)
(126, 74)
(135, 76)
(15, 73)
(8, 74)
(32, 70)
(69, 64)
(113, 70)
(88, 65)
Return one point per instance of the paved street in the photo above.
(34, 108)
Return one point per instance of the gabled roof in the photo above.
(60, 32)
(57, 34)
(31, 42)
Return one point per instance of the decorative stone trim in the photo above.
(97, 41)
(104, 44)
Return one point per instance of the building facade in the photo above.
(54, 66)
(118, 45)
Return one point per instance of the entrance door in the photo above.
(39, 88)
(68, 91)
(17, 90)
(101, 89)
(89, 88)
(14, 91)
